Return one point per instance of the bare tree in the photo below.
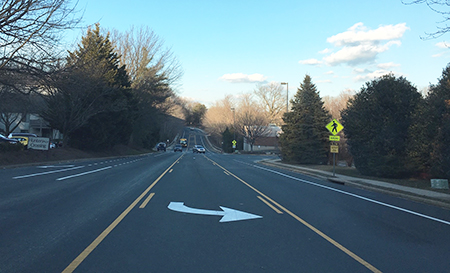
(13, 108)
(335, 105)
(141, 49)
(32, 26)
(437, 6)
(251, 120)
(220, 116)
(273, 101)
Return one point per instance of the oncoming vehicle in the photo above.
(198, 149)
(161, 146)
(183, 142)
(177, 148)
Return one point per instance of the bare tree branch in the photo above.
(437, 6)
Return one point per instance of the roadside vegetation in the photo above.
(113, 89)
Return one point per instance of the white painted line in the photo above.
(352, 194)
(49, 172)
(55, 166)
(80, 174)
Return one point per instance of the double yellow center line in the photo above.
(78, 260)
(268, 201)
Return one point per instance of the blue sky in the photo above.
(228, 47)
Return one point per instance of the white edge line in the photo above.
(49, 172)
(351, 194)
(80, 174)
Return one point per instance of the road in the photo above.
(185, 212)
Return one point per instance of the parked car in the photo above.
(177, 148)
(4, 139)
(198, 149)
(161, 146)
(22, 139)
(22, 134)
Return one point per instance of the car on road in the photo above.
(161, 146)
(177, 148)
(183, 142)
(198, 149)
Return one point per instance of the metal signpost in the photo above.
(334, 127)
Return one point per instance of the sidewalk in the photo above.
(419, 195)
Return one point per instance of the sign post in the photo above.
(334, 127)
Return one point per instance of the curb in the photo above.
(357, 183)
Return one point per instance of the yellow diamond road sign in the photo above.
(334, 127)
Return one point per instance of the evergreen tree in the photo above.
(436, 127)
(305, 138)
(377, 125)
(96, 63)
(227, 139)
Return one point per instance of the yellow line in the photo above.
(270, 205)
(318, 232)
(225, 172)
(146, 200)
(78, 260)
(171, 170)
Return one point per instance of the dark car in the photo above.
(161, 146)
(177, 148)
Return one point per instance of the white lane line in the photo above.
(49, 172)
(351, 194)
(80, 174)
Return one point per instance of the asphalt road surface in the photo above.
(186, 212)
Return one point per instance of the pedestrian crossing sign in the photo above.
(334, 127)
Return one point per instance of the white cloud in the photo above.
(325, 51)
(361, 70)
(331, 72)
(361, 45)
(443, 45)
(311, 62)
(359, 34)
(371, 75)
(387, 65)
(375, 74)
(243, 78)
(324, 81)
(358, 54)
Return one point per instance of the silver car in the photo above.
(198, 149)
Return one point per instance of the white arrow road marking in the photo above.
(228, 214)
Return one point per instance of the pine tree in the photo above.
(305, 139)
(96, 63)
